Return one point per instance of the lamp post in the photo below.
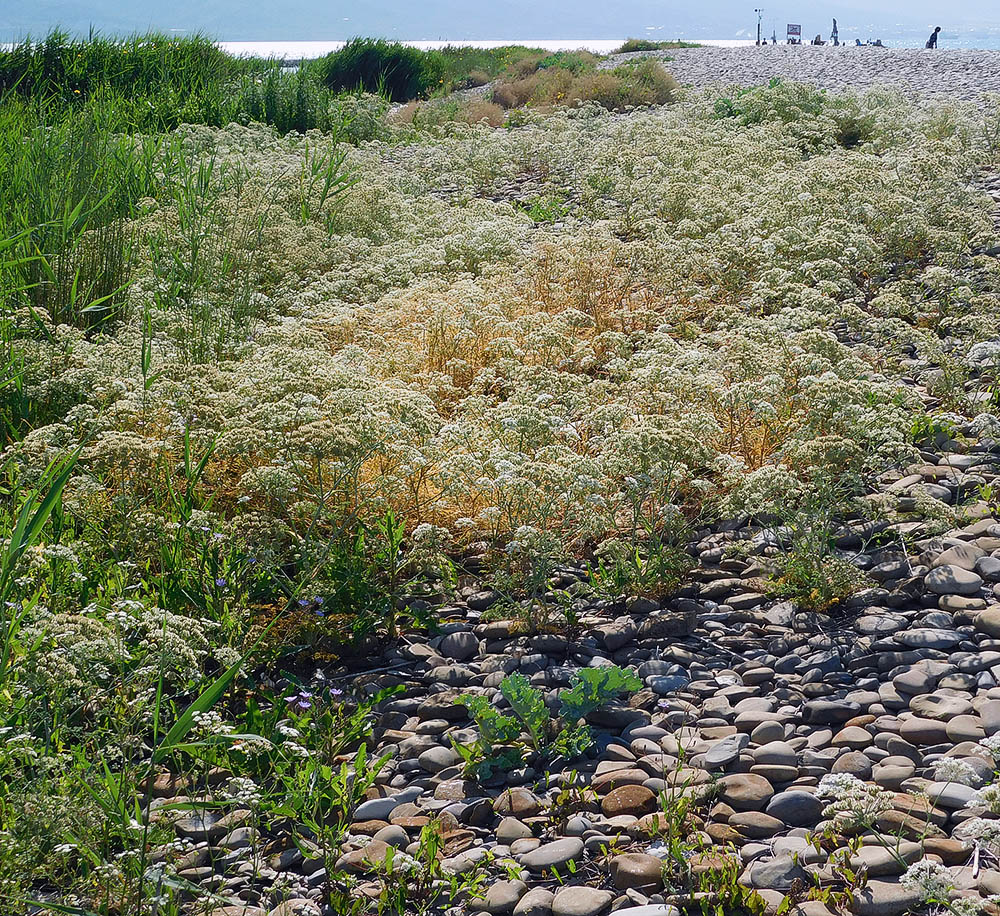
(759, 13)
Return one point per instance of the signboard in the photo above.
(794, 31)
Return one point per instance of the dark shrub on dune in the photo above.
(399, 72)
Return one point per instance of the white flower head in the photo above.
(931, 880)
(852, 802)
(991, 744)
(951, 769)
(987, 797)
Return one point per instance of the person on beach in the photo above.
(835, 35)
(932, 41)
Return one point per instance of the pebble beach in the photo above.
(962, 74)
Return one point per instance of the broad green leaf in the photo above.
(593, 688)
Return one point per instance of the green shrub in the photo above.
(815, 117)
(398, 72)
(631, 45)
(500, 744)
(816, 580)
(576, 62)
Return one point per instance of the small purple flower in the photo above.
(303, 602)
(318, 599)
(336, 692)
(320, 612)
(220, 582)
(300, 700)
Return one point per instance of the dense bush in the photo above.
(398, 72)
(801, 107)
(631, 45)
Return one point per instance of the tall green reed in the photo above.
(209, 270)
(68, 186)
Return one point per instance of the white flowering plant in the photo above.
(852, 803)
(314, 408)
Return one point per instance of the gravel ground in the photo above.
(963, 74)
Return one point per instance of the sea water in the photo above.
(909, 38)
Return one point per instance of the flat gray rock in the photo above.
(553, 855)
(581, 901)
(928, 638)
(725, 751)
(885, 898)
(953, 580)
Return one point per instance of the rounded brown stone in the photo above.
(634, 800)
(756, 825)
(855, 763)
(853, 737)
(745, 791)
(517, 802)
(921, 731)
(773, 772)
(637, 870)
(723, 834)
(950, 851)
(919, 808)
(605, 782)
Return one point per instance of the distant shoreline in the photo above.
(295, 51)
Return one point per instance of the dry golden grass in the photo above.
(630, 86)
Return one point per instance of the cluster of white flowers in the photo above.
(853, 802)
(930, 879)
(981, 830)
(251, 745)
(987, 797)
(951, 769)
(991, 744)
(482, 373)
(294, 749)
(244, 791)
(209, 724)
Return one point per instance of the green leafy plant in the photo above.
(394, 70)
(546, 208)
(931, 432)
(503, 738)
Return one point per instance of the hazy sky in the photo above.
(431, 19)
